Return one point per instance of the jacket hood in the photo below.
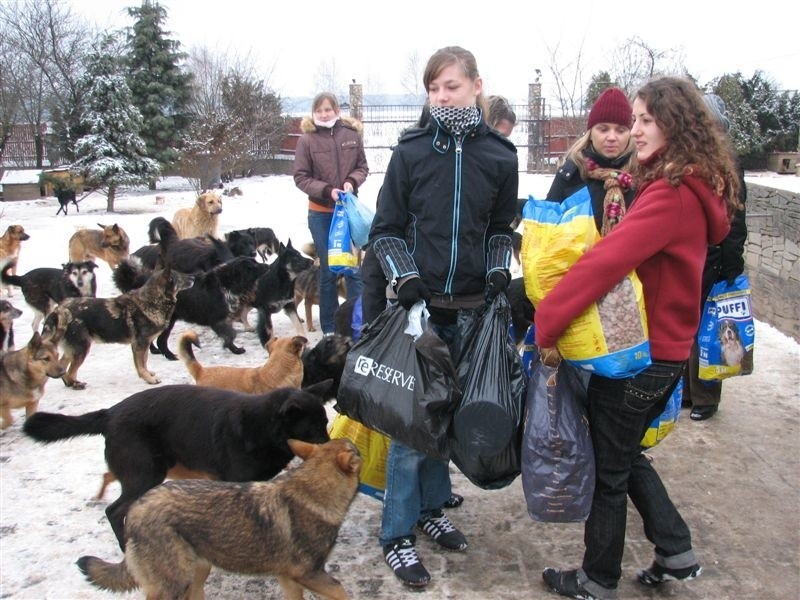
(714, 206)
(307, 124)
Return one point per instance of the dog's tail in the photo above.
(114, 577)
(185, 343)
(129, 274)
(5, 272)
(52, 427)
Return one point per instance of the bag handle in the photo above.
(417, 319)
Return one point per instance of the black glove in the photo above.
(730, 277)
(411, 292)
(498, 282)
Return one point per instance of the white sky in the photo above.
(372, 41)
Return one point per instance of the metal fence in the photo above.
(384, 124)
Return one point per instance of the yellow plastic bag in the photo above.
(610, 337)
(374, 448)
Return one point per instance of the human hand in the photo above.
(348, 187)
(498, 282)
(335, 194)
(411, 292)
(551, 357)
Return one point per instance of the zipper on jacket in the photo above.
(448, 286)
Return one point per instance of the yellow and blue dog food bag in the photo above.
(610, 337)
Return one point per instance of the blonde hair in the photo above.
(454, 55)
(575, 153)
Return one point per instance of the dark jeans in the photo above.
(319, 223)
(619, 412)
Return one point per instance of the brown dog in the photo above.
(306, 290)
(199, 220)
(23, 375)
(110, 244)
(10, 245)
(286, 527)
(135, 318)
(283, 368)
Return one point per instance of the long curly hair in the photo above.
(696, 144)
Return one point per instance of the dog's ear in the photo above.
(349, 460)
(320, 389)
(300, 448)
(299, 344)
(35, 343)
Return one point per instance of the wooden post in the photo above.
(356, 100)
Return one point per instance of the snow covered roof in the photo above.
(21, 176)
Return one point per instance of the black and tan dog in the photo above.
(326, 361)
(110, 243)
(264, 238)
(275, 290)
(134, 318)
(226, 435)
(45, 287)
(286, 527)
(10, 246)
(8, 312)
(23, 375)
(190, 255)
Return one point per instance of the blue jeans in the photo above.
(619, 412)
(319, 223)
(416, 484)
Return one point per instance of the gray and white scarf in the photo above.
(456, 120)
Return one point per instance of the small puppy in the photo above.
(7, 315)
(10, 245)
(286, 527)
(283, 368)
(110, 244)
(23, 375)
(732, 349)
(199, 220)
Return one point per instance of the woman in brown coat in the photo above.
(329, 159)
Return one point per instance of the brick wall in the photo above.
(772, 258)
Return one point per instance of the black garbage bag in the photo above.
(485, 440)
(558, 469)
(402, 384)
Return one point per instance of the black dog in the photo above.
(44, 288)
(211, 432)
(266, 242)
(65, 196)
(187, 256)
(7, 315)
(214, 298)
(275, 290)
(241, 243)
(326, 361)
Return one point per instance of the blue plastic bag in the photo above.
(359, 217)
(342, 257)
(726, 335)
(665, 422)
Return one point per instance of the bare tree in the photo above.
(412, 77)
(327, 79)
(11, 84)
(50, 43)
(568, 79)
(635, 62)
(235, 117)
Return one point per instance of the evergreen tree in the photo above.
(112, 153)
(160, 87)
(599, 83)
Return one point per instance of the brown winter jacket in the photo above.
(326, 158)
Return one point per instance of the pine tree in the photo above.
(160, 88)
(112, 153)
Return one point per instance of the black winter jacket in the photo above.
(726, 261)
(568, 181)
(444, 213)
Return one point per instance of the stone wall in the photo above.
(772, 259)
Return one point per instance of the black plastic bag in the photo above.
(558, 469)
(487, 425)
(403, 385)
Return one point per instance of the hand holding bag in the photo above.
(342, 256)
(359, 217)
(399, 379)
(558, 470)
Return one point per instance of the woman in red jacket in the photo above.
(329, 159)
(687, 193)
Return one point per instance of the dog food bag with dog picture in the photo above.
(726, 335)
(610, 337)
